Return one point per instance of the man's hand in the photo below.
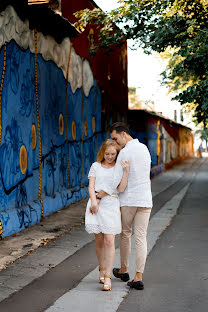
(102, 194)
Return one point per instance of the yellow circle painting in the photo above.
(93, 124)
(34, 137)
(74, 131)
(85, 128)
(61, 124)
(23, 159)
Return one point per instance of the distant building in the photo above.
(167, 140)
(160, 104)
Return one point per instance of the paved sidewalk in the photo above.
(49, 229)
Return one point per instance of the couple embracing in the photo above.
(120, 196)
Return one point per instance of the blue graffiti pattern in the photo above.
(19, 204)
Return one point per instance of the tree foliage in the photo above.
(203, 134)
(179, 27)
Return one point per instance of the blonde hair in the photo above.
(104, 146)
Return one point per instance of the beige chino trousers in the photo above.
(140, 217)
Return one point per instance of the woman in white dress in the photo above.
(103, 216)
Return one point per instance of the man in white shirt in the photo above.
(135, 201)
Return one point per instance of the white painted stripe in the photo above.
(87, 296)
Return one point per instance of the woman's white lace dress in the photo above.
(108, 218)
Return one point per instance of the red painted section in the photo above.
(109, 70)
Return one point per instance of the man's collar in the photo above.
(132, 142)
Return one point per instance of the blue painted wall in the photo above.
(148, 136)
(19, 204)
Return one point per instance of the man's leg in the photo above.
(141, 221)
(127, 218)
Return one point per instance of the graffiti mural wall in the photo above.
(167, 141)
(50, 107)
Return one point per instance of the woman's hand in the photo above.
(94, 208)
(124, 181)
(125, 165)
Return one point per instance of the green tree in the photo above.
(203, 134)
(178, 28)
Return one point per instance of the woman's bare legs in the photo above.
(99, 248)
(109, 246)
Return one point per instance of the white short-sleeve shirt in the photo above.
(138, 191)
